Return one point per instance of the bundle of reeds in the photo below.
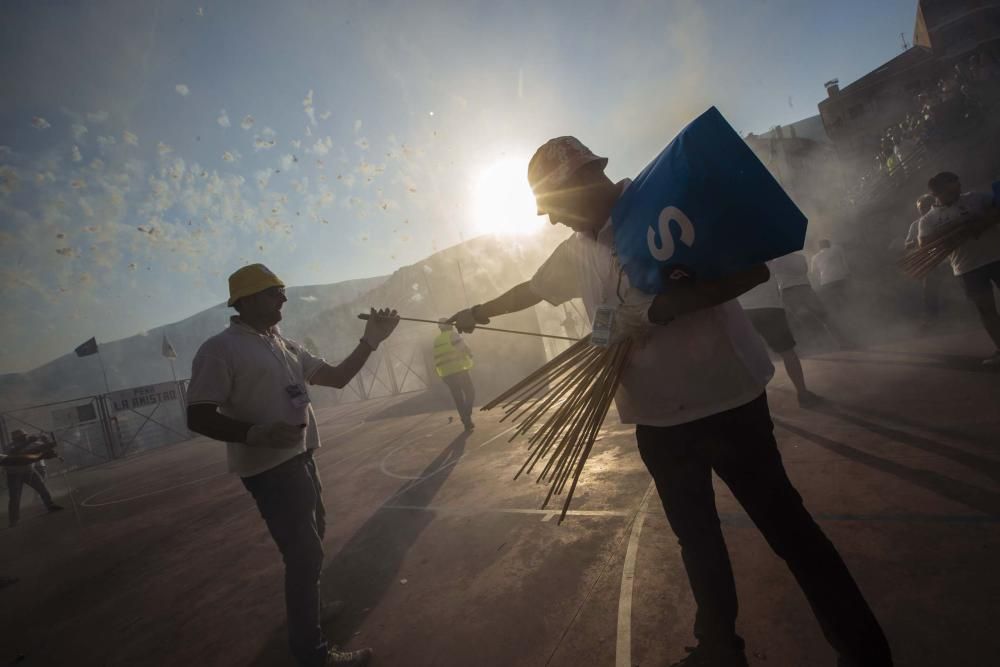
(568, 398)
(921, 260)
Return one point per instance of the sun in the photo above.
(502, 202)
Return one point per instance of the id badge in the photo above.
(603, 325)
(298, 395)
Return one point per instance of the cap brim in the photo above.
(575, 166)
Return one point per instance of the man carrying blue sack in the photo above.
(694, 387)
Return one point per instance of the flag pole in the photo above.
(104, 372)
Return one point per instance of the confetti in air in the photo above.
(40, 123)
(182, 90)
(223, 119)
(247, 122)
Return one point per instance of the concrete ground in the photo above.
(442, 559)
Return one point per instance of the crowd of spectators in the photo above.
(938, 114)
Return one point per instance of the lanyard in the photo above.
(614, 264)
(268, 340)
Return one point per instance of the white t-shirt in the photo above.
(975, 252)
(700, 364)
(829, 266)
(765, 295)
(790, 270)
(245, 373)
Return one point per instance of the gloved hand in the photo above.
(279, 435)
(381, 323)
(466, 320)
(632, 317)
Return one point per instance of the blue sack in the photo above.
(704, 208)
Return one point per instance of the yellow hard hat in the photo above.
(250, 280)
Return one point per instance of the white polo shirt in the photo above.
(765, 295)
(830, 266)
(975, 252)
(700, 364)
(790, 270)
(245, 373)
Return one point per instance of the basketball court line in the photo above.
(623, 644)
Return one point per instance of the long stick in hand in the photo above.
(365, 316)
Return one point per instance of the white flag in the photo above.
(168, 349)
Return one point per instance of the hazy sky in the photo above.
(147, 149)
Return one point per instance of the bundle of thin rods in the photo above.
(568, 398)
(922, 260)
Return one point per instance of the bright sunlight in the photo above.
(502, 202)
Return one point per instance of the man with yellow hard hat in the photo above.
(248, 389)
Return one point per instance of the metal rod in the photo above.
(365, 316)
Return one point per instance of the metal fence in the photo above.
(392, 370)
(94, 429)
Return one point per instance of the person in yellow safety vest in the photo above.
(453, 360)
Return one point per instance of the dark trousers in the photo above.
(462, 392)
(290, 499)
(836, 294)
(739, 446)
(16, 481)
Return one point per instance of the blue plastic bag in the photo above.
(704, 208)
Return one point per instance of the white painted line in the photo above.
(87, 502)
(623, 649)
(546, 514)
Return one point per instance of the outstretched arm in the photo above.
(517, 298)
(338, 376)
(380, 325)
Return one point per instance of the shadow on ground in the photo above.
(432, 400)
(366, 567)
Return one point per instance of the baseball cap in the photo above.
(556, 160)
(250, 280)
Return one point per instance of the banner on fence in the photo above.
(142, 397)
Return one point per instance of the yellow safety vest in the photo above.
(448, 359)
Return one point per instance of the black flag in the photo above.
(86, 349)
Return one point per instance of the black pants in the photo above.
(16, 481)
(462, 392)
(739, 446)
(290, 499)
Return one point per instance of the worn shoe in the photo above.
(339, 658)
(713, 656)
(469, 425)
(807, 399)
(56, 508)
(993, 361)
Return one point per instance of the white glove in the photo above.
(279, 435)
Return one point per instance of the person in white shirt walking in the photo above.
(248, 389)
(977, 261)
(762, 305)
(800, 301)
(694, 387)
(832, 273)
